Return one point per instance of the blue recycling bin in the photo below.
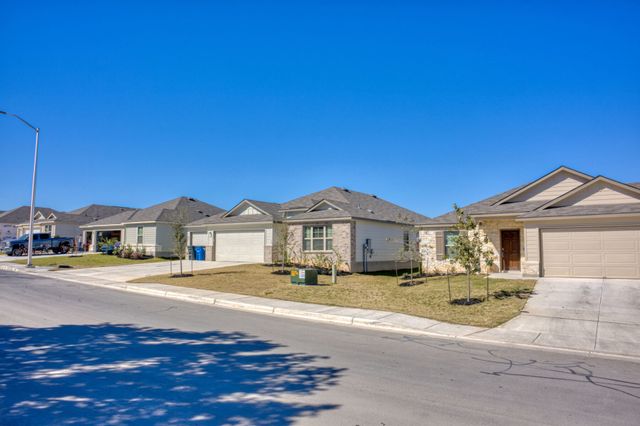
(199, 253)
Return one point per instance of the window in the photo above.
(140, 234)
(317, 238)
(449, 239)
(47, 228)
(406, 243)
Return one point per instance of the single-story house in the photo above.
(149, 228)
(10, 219)
(564, 224)
(244, 233)
(358, 231)
(365, 232)
(67, 224)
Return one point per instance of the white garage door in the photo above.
(597, 252)
(240, 246)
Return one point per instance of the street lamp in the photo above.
(33, 186)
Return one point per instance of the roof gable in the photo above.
(552, 185)
(244, 207)
(324, 205)
(598, 191)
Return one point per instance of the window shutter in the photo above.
(439, 245)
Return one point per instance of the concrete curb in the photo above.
(343, 320)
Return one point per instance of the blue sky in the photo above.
(421, 103)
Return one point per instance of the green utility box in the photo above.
(304, 276)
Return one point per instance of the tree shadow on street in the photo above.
(118, 373)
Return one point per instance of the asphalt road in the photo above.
(77, 354)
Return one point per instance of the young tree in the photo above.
(179, 235)
(470, 247)
(284, 240)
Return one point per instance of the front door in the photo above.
(510, 250)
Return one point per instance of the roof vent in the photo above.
(370, 211)
(346, 189)
(374, 195)
(200, 211)
(192, 199)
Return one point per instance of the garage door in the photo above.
(245, 246)
(597, 252)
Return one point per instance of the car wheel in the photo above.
(64, 249)
(16, 251)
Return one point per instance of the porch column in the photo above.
(94, 241)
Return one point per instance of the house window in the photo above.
(406, 243)
(47, 228)
(317, 238)
(449, 239)
(140, 235)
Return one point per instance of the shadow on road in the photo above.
(106, 373)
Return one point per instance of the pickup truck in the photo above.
(42, 242)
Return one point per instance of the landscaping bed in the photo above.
(86, 261)
(381, 291)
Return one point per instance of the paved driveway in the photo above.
(578, 313)
(130, 272)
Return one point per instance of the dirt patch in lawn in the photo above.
(429, 299)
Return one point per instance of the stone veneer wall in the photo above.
(343, 243)
(491, 228)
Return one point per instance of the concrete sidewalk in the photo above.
(520, 331)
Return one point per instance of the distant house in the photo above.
(67, 224)
(361, 230)
(148, 228)
(11, 219)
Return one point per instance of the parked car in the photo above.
(42, 242)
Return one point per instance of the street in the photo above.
(71, 353)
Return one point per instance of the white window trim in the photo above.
(323, 239)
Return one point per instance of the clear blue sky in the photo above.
(422, 103)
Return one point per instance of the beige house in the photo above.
(67, 224)
(564, 224)
(149, 228)
(245, 233)
(361, 232)
(12, 221)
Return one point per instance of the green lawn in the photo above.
(428, 299)
(86, 261)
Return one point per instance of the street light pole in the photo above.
(33, 187)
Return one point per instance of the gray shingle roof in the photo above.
(163, 212)
(21, 214)
(272, 211)
(527, 209)
(352, 204)
(591, 210)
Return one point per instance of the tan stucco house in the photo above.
(564, 224)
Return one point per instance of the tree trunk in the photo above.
(487, 286)
(180, 257)
(468, 288)
(449, 285)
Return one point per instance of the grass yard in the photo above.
(85, 261)
(371, 291)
